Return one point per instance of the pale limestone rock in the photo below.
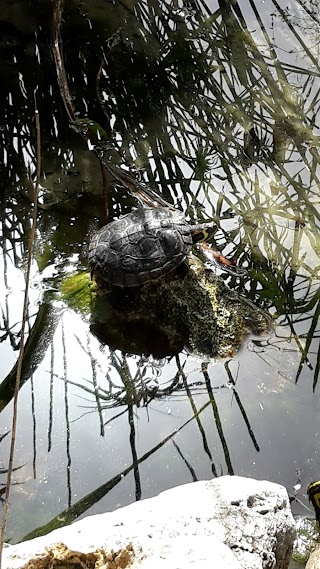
(314, 559)
(192, 552)
(228, 523)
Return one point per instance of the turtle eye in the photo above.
(198, 236)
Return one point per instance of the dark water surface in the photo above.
(216, 107)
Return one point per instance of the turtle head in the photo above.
(201, 233)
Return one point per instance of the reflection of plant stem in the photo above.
(70, 514)
(204, 369)
(242, 409)
(305, 350)
(51, 397)
(292, 29)
(281, 75)
(94, 381)
(34, 430)
(198, 420)
(66, 404)
(190, 468)
(135, 461)
(302, 350)
(311, 15)
(316, 371)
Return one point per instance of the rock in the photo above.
(226, 523)
(198, 312)
(200, 552)
(314, 559)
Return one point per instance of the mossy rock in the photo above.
(195, 310)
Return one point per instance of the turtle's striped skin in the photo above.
(142, 246)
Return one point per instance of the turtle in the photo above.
(142, 246)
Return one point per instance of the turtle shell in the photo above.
(140, 246)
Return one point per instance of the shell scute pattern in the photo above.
(140, 246)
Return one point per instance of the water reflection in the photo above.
(221, 122)
(121, 415)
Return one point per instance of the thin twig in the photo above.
(55, 45)
(24, 319)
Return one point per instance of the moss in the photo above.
(76, 291)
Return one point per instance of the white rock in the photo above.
(194, 552)
(229, 522)
(314, 559)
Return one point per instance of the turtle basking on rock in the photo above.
(143, 245)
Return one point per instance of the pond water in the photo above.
(216, 107)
